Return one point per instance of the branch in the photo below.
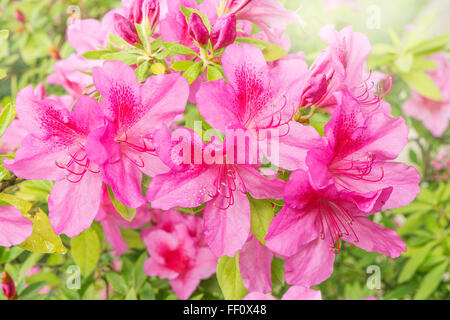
(13, 180)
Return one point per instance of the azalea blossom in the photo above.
(309, 229)
(435, 115)
(341, 67)
(54, 149)
(14, 227)
(357, 153)
(15, 133)
(123, 148)
(177, 255)
(209, 173)
(269, 15)
(293, 293)
(261, 101)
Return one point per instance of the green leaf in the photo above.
(404, 63)
(129, 58)
(262, 214)
(43, 239)
(132, 238)
(178, 49)
(4, 34)
(31, 290)
(422, 64)
(146, 292)
(117, 42)
(271, 51)
(423, 84)
(96, 55)
(277, 271)
(141, 71)
(429, 47)
(230, 279)
(6, 117)
(4, 173)
(431, 281)
(86, 250)
(70, 294)
(181, 65)
(21, 205)
(117, 282)
(131, 295)
(126, 213)
(416, 260)
(214, 73)
(193, 72)
(2, 74)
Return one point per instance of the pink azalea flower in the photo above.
(15, 133)
(435, 115)
(54, 149)
(357, 153)
(210, 176)
(342, 65)
(112, 222)
(134, 111)
(67, 74)
(14, 227)
(293, 293)
(309, 229)
(261, 101)
(176, 254)
(269, 15)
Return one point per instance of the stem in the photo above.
(13, 180)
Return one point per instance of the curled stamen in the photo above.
(335, 221)
(227, 182)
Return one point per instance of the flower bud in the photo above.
(151, 10)
(314, 91)
(8, 287)
(223, 32)
(197, 29)
(135, 13)
(125, 29)
(19, 15)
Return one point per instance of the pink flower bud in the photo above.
(125, 29)
(135, 13)
(197, 29)
(223, 32)
(151, 10)
(8, 287)
(19, 15)
(314, 91)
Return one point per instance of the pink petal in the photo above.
(215, 102)
(374, 238)
(291, 229)
(35, 160)
(259, 186)
(312, 264)
(226, 231)
(255, 263)
(302, 293)
(180, 189)
(258, 296)
(14, 227)
(294, 146)
(73, 206)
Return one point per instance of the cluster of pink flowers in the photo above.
(335, 181)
